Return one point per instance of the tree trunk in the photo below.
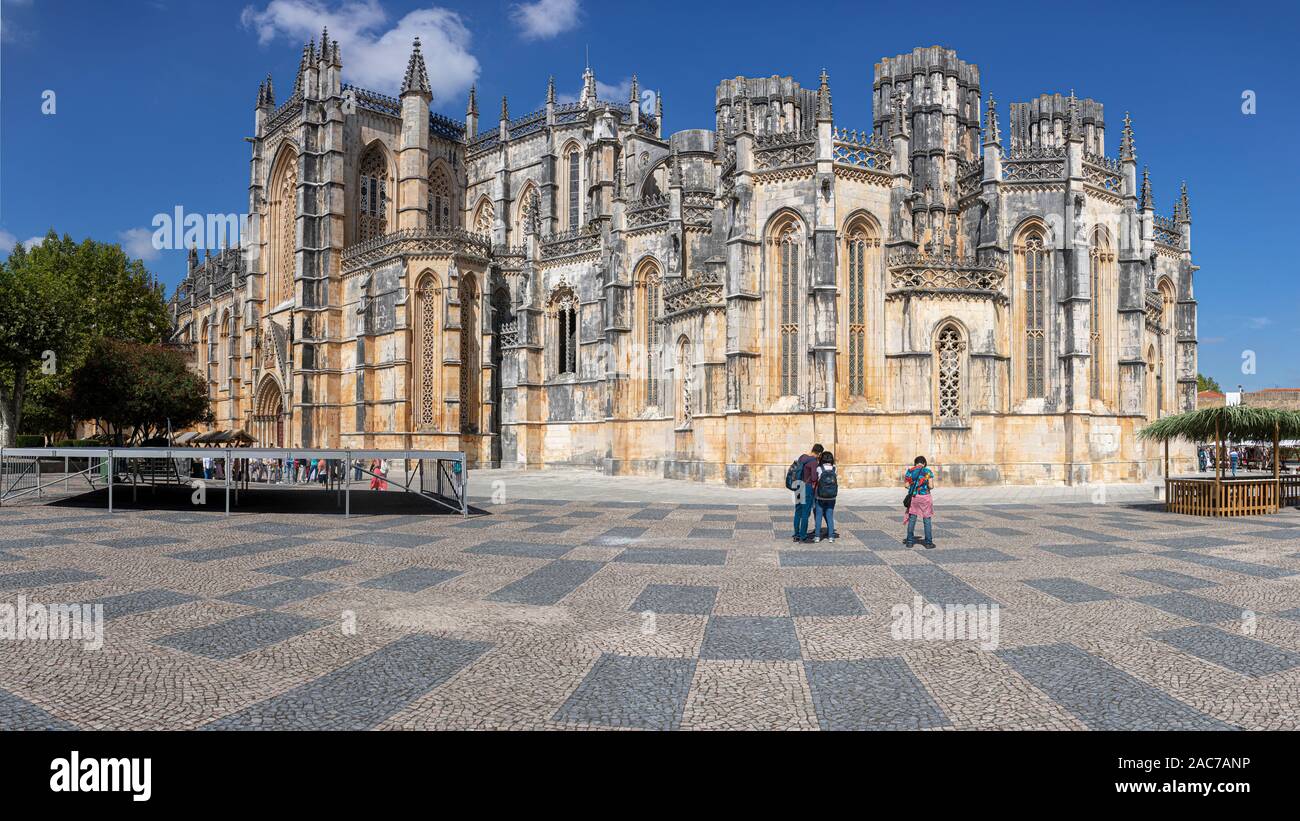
(11, 406)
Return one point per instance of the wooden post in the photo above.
(1277, 475)
(1167, 502)
(1218, 468)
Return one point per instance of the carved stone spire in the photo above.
(270, 92)
(993, 136)
(1126, 140)
(1183, 211)
(325, 44)
(550, 91)
(1147, 201)
(417, 76)
(302, 70)
(636, 91)
(899, 119)
(824, 98)
(505, 110)
(472, 109)
(1074, 131)
(675, 170)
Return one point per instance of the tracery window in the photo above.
(788, 248)
(223, 350)
(285, 232)
(950, 350)
(373, 206)
(1033, 260)
(575, 186)
(484, 218)
(650, 310)
(426, 345)
(564, 320)
(471, 367)
(860, 248)
(439, 199)
(1167, 342)
(1102, 281)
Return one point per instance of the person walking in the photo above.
(801, 477)
(824, 493)
(919, 502)
(1233, 458)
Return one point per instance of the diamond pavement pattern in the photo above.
(549, 614)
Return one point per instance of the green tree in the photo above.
(134, 391)
(59, 297)
(1207, 383)
(38, 307)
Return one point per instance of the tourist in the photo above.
(378, 474)
(800, 478)
(919, 481)
(824, 493)
(1233, 458)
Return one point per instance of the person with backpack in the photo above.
(919, 481)
(824, 493)
(800, 477)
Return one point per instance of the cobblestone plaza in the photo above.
(546, 613)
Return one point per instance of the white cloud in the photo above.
(375, 50)
(1259, 321)
(138, 244)
(8, 241)
(615, 93)
(544, 19)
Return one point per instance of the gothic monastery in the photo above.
(578, 286)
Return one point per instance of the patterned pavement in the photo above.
(554, 614)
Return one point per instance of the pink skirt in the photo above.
(922, 507)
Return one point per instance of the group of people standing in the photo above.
(816, 486)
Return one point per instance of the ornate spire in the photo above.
(992, 134)
(505, 109)
(472, 109)
(261, 94)
(1126, 141)
(270, 91)
(824, 97)
(417, 76)
(588, 87)
(1072, 126)
(550, 91)
(636, 91)
(659, 108)
(897, 98)
(302, 69)
(1184, 206)
(675, 170)
(1147, 201)
(336, 54)
(325, 44)
(311, 50)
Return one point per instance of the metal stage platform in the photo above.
(439, 476)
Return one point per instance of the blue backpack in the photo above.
(794, 474)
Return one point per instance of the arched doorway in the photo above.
(268, 415)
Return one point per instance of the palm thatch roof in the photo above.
(1230, 422)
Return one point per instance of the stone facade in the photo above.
(577, 286)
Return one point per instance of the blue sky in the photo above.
(154, 97)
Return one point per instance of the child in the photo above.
(825, 490)
(919, 482)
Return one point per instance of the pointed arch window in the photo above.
(950, 357)
(373, 205)
(1167, 343)
(471, 366)
(484, 218)
(427, 360)
(564, 321)
(860, 252)
(1033, 261)
(788, 251)
(1102, 281)
(284, 232)
(650, 309)
(440, 205)
(575, 186)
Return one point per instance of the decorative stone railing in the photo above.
(1103, 172)
(417, 241)
(1167, 232)
(374, 101)
(1032, 163)
(969, 177)
(694, 291)
(784, 149)
(285, 113)
(921, 273)
(861, 150)
(697, 207)
(570, 243)
(446, 127)
(647, 211)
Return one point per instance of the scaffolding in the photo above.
(439, 476)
